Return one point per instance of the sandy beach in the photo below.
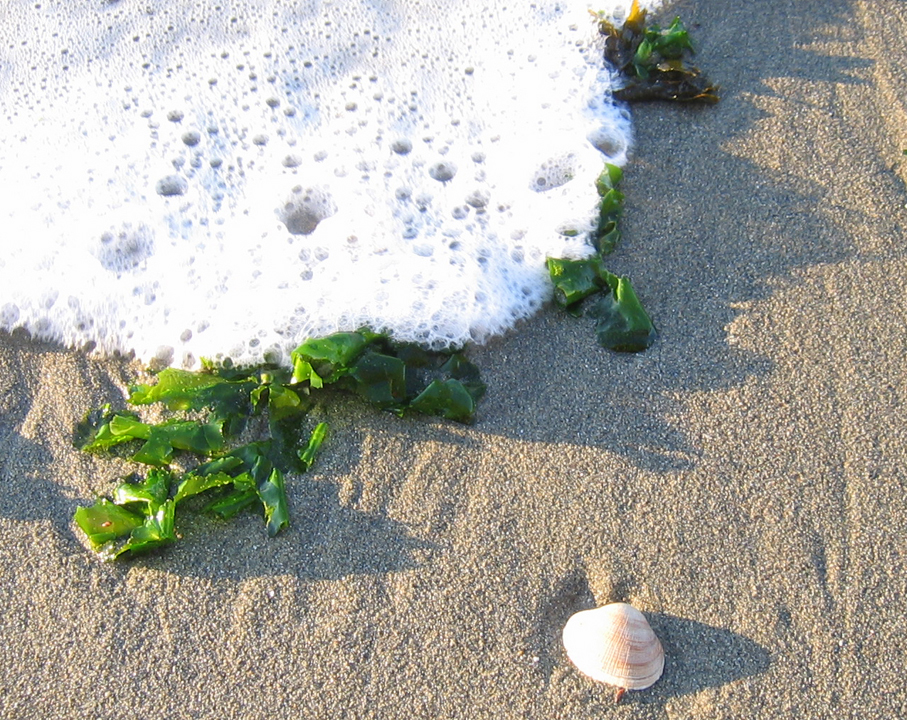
(742, 482)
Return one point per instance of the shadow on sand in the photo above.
(697, 655)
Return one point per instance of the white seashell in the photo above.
(614, 644)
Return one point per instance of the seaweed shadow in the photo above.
(326, 540)
(708, 232)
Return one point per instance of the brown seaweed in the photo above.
(651, 61)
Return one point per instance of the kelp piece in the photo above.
(288, 408)
(151, 493)
(157, 530)
(161, 440)
(326, 360)
(459, 368)
(387, 374)
(106, 521)
(93, 428)
(185, 390)
(233, 503)
(232, 476)
(623, 325)
(446, 398)
(307, 454)
(194, 484)
(574, 280)
(610, 209)
(167, 437)
(284, 402)
(651, 61)
(257, 482)
(273, 496)
(94, 432)
(114, 530)
(255, 459)
(381, 379)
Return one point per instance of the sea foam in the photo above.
(197, 179)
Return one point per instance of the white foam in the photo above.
(185, 180)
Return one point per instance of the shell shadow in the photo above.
(697, 655)
(700, 656)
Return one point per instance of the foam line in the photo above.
(186, 180)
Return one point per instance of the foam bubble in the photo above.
(293, 169)
(442, 171)
(124, 248)
(306, 208)
(172, 184)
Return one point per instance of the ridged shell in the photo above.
(614, 644)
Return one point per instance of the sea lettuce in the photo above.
(622, 323)
(610, 209)
(380, 379)
(106, 521)
(307, 454)
(194, 483)
(273, 495)
(228, 398)
(185, 390)
(139, 518)
(448, 398)
(152, 492)
(575, 280)
(325, 360)
(156, 531)
(161, 440)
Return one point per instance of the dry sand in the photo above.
(742, 482)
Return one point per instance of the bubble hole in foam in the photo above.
(198, 179)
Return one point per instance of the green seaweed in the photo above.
(575, 280)
(610, 209)
(106, 521)
(161, 440)
(273, 495)
(157, 530)
(327, 359)
(585, 286)
(138, 519)
(228, 398)
(152, 492)
(448, 398)
(622, 323)
(141, 514)
(653, 65)
(307, 454)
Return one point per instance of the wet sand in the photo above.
(742, 482)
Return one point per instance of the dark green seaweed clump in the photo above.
(586, 287)
(652, 61)
(141, 513)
